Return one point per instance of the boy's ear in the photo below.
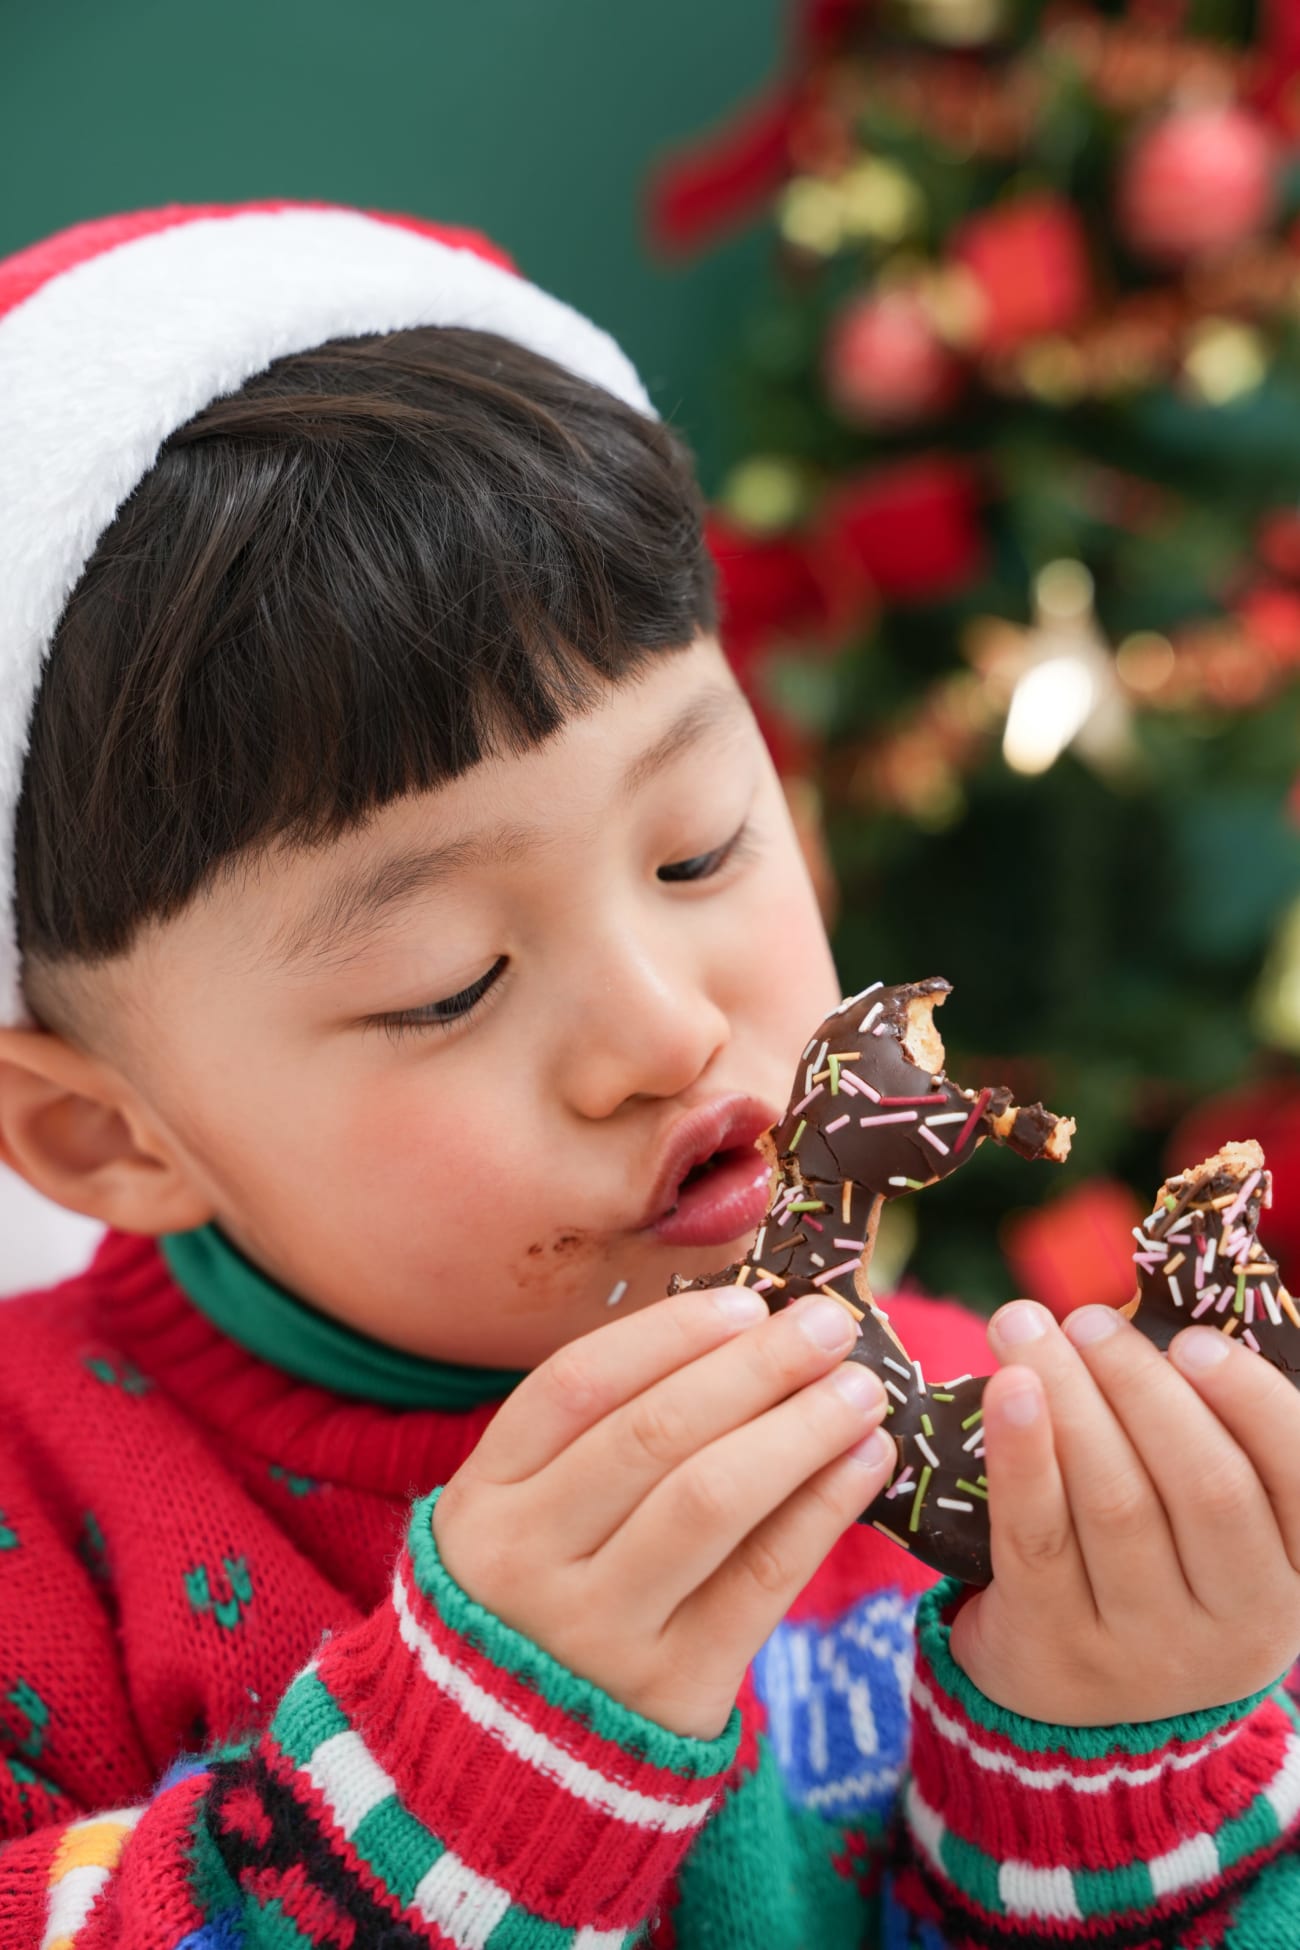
(75, 1130)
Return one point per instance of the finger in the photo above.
(588, 1378)
(1217, 1509)
(699, 1514)
(1122, 1532)
(754, 1587)
(597, 1482)
(1036, 1554)
(1260, 1408)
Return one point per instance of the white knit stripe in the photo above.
(1130, 1774)
(589, 1939)
(349, 1778)
(1027, 1891)
(106, 359)
(73, 1893)
(1283, 1791)
(531, 1745)
(466, 1906)
(927, 1825)
(1195, 1860)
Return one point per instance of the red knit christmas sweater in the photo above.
(243, 1703)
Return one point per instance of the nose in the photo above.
(643, 1026)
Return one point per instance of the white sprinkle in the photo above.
(952, 1503)
(617, 1294)
(756, 1251)
(808, 1051)
(1270, 1304)
(938, 1143)
(1175, 1289)
(971, 1440)
(896, 1181)
(896, 1391)
(953, 1383)
(920, 1378)
(898, 1367)
(870, 1016)
(900, 1483)
(1210, 1251)
(838, 1125)
(927, 1452)
(949, 1117)
(817, 1259)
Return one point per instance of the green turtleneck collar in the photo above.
(272, 1323)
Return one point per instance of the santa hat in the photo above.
(113, 334)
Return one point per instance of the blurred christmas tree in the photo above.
(1011, 556)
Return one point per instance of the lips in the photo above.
(711, 1186)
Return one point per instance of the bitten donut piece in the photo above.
(872, 1116)
(1199, 1258)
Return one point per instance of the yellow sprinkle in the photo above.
(893, 1535)
(743, 1275)
(846, 1199)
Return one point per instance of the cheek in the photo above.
(790, 983)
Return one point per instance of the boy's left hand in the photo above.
(1145, 1517)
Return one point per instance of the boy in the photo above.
(405, 944)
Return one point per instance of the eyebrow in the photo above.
(360, 898)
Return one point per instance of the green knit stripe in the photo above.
(1110, 1892)
(974, 1873)
(400, 1849)
(270, 1927)
(579, 1698)
(213, 1887)
(1245, 1834)
(1142, 1737)
(307, 1715)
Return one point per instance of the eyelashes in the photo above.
(453, 1010)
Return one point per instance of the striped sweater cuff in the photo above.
(477, 1782)
(1029, 1822)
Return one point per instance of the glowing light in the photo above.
(1049, 707)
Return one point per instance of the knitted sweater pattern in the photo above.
(242, 1702)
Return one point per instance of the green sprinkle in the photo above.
(938, 1395)
(972, 1489)
(803, 1126)
(1171, 1203)
(981, 1479)
(1239, 1304)
(914, 1520)
(972, 1419)
(833, 1064)
(927, 1426)
(916, 1184)
(806, 1204)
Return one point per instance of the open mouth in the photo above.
(721, 1199)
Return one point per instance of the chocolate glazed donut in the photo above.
(872, 1116)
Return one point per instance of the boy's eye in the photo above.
(448, 1011)
(703, 864)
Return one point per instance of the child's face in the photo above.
(475, 1191)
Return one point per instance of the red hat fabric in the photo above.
(116, 332)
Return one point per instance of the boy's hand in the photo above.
(649, 1501)
(1145, 1522)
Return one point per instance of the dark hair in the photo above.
(371, 566)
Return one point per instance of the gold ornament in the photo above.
(1277, 998)
(764, 494)
(956, 23)
(810, 215)
(1224, 360)
(880, 202)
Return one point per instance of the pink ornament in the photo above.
(1198, 181)
(885, 364)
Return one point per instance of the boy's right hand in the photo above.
(646, 1505)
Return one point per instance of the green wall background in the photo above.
(533, 119)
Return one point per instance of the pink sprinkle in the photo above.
(1206, 1301)
(838, 1125)
(894, 1117)
(1250, 1341)
(977, 1111)
(833, 1272)
(1238, 1205)
(881, 1029)
(805, 1101)
(867, 1089)
(852, 1245)
(1200, 1264)
(1149, 1262)
(760, 1286)
(1249, 1311)
(900, 1483)
(937, 1142)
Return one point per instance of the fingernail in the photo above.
(1021, 1406)
(857, 1384)
(872, 1452)
(1200, 1348)
(738, 1303)
(827, 1324)
(1091, 1324)
(1022, 1321)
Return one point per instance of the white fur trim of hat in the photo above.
(115, 333)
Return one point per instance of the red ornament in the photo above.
(886, 365)
(1277, 542)
(1270, 1113)
(1077, 1250)
(1198, 181)
(907, 532)
(1270, 614)
(1029, 262)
